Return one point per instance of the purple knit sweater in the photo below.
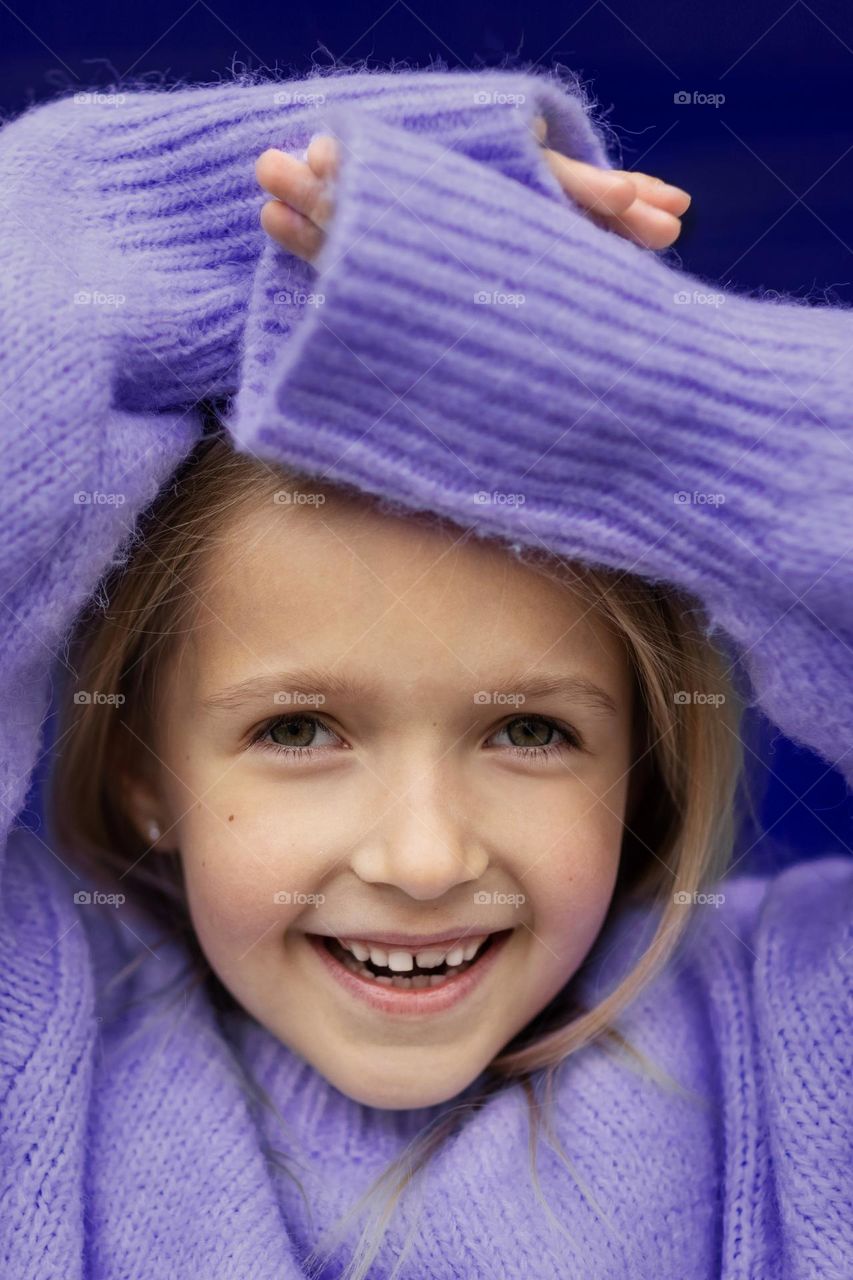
(704, 443)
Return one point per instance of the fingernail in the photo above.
(310, 140)
(679, 191)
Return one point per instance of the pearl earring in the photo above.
(154, 832)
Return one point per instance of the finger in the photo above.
(294, 182)
(644, 224)
(540, 128)
(323, 156)
(657, 192)
(596, 190)
(292, 229)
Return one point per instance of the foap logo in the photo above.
(298, 298)
(484, 698)
(297, 98)
(483, 898)
(99, 99)
(698, 297)
(94, 898)
(487, 97)
(683, 899)
(298, 498)
(684, 696)
(695, 97)
(684, 498)
(297, 698)
(96, 498)
(497, 298)
(286, 898)
(98, 298)
(94, 698)
(485, 497)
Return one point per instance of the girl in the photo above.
(401, 592)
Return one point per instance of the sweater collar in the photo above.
(315, 1112)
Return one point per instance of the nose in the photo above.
(421, 844)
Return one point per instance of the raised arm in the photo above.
(487, 340)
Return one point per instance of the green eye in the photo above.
(535, 736)
(294, 735)
(294, 731)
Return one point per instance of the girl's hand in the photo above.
(633, 204)
(637, 206)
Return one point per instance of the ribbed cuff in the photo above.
(171, 204)
(468, 337)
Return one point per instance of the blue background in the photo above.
(770, 168)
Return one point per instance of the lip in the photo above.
(414, 942)
(418, 1001)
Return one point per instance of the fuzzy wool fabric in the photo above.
(467, 343)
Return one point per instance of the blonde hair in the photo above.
(683, 789)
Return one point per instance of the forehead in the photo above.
(342, 582)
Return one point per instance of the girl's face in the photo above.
(352, 744)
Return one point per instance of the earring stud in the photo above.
(154, 832)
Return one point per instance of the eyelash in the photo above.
(572, 740)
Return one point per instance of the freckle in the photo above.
(231, 817)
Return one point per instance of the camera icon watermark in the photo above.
(284, 897)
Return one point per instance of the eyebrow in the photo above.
(573, 688)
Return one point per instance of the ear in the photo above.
(144, 809)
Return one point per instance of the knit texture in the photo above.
(478, 337)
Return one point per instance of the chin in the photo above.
(404, 1093)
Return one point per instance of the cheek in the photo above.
(572, 885)
(248, 872)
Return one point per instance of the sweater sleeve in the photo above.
(753, 1016)
(511, 365)
(774, 960)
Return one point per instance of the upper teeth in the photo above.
(400, 960)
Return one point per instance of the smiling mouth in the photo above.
(417, 977)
